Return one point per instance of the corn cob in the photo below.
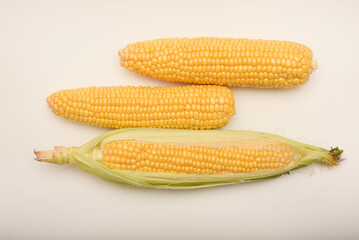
(174, 158)
(221, 61)
(189, 107)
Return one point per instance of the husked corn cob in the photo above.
(189, 107)
(221, 61)
(174, 158)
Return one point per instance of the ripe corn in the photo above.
(221, 61)
(188, 107)
(174, 158)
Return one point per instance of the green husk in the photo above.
(89, 156)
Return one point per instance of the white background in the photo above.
(46, 46)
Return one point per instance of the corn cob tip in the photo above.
(121, 53)
(52, 156)
(335, 154)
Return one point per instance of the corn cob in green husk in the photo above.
(174, 158)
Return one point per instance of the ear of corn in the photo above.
(188, 107)
(221, 61)
(173, 158)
